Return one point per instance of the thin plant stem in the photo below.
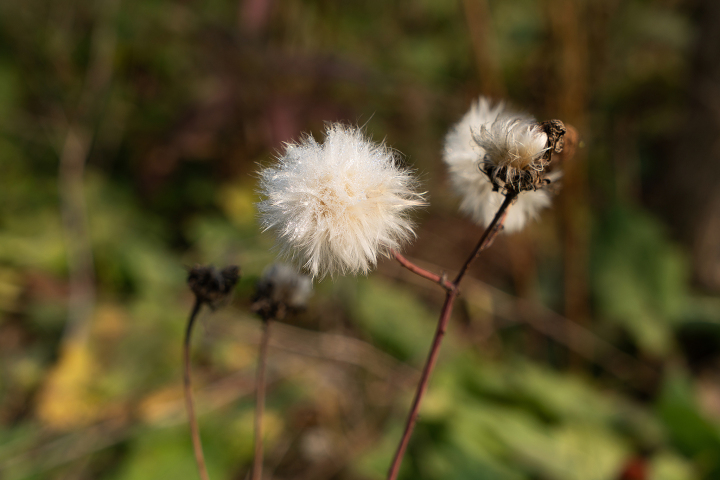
(260, 401)
(488, 235)
(433, 277)
(485, 241)
(194, 429)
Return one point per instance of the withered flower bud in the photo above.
(280, 290)
(211, 286)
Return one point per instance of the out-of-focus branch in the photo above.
(75, 228)
(260, 386)
(291, 340)
(479, 24)
(71, 173)
(576, 337)
(568, 99)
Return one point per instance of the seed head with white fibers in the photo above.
(515, 150)
(465, 160)
(337, 205)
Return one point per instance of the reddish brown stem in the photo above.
(452, 292)
(440, 280)
(488, 235)
(260, 401)
(194, 429)
(422, 385)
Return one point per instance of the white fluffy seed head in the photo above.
(514, 144)
(507, 135)
(336, 206)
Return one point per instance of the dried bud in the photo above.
(555, 131)
(281, 289)
(211, 286)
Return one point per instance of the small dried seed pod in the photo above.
(211, 286)
(518, 152)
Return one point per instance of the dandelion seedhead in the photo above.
(493, 149)
(281, 289)
(337, 205)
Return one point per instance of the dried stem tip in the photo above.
(211, 286)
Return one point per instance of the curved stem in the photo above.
(433, 277)
(260, 401)
(452, 292)
(194, 429)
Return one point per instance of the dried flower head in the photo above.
(515, 150)
(281, 289)
(339, 204)
(493, 147)
(211, 286)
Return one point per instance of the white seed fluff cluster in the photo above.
(514, 143)
(492, 133)
(338, 205)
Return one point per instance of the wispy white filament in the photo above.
(492, 133)
(515, 143)
(336, 206)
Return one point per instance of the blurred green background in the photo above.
(585, 347)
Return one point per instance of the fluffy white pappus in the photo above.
(336, 206)
(464, 156)
(513, 143)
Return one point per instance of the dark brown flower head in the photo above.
(211, 286)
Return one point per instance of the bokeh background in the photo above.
(585, 347)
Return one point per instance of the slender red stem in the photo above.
(452, 292)
(433, 277)
(260, 401)
(488, 235)
(194, 429)
(422, 385)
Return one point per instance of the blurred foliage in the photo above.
(179, 101)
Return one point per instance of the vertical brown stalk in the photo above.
(569, 86)
(482, 36)
(194, 429)
(260, 401)
(71, 174)
(485, 241)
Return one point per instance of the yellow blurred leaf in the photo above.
(162, 404)
(67, 400)
(10, 288)
(238, 203)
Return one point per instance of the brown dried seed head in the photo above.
(211, 286)
(506, 176)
